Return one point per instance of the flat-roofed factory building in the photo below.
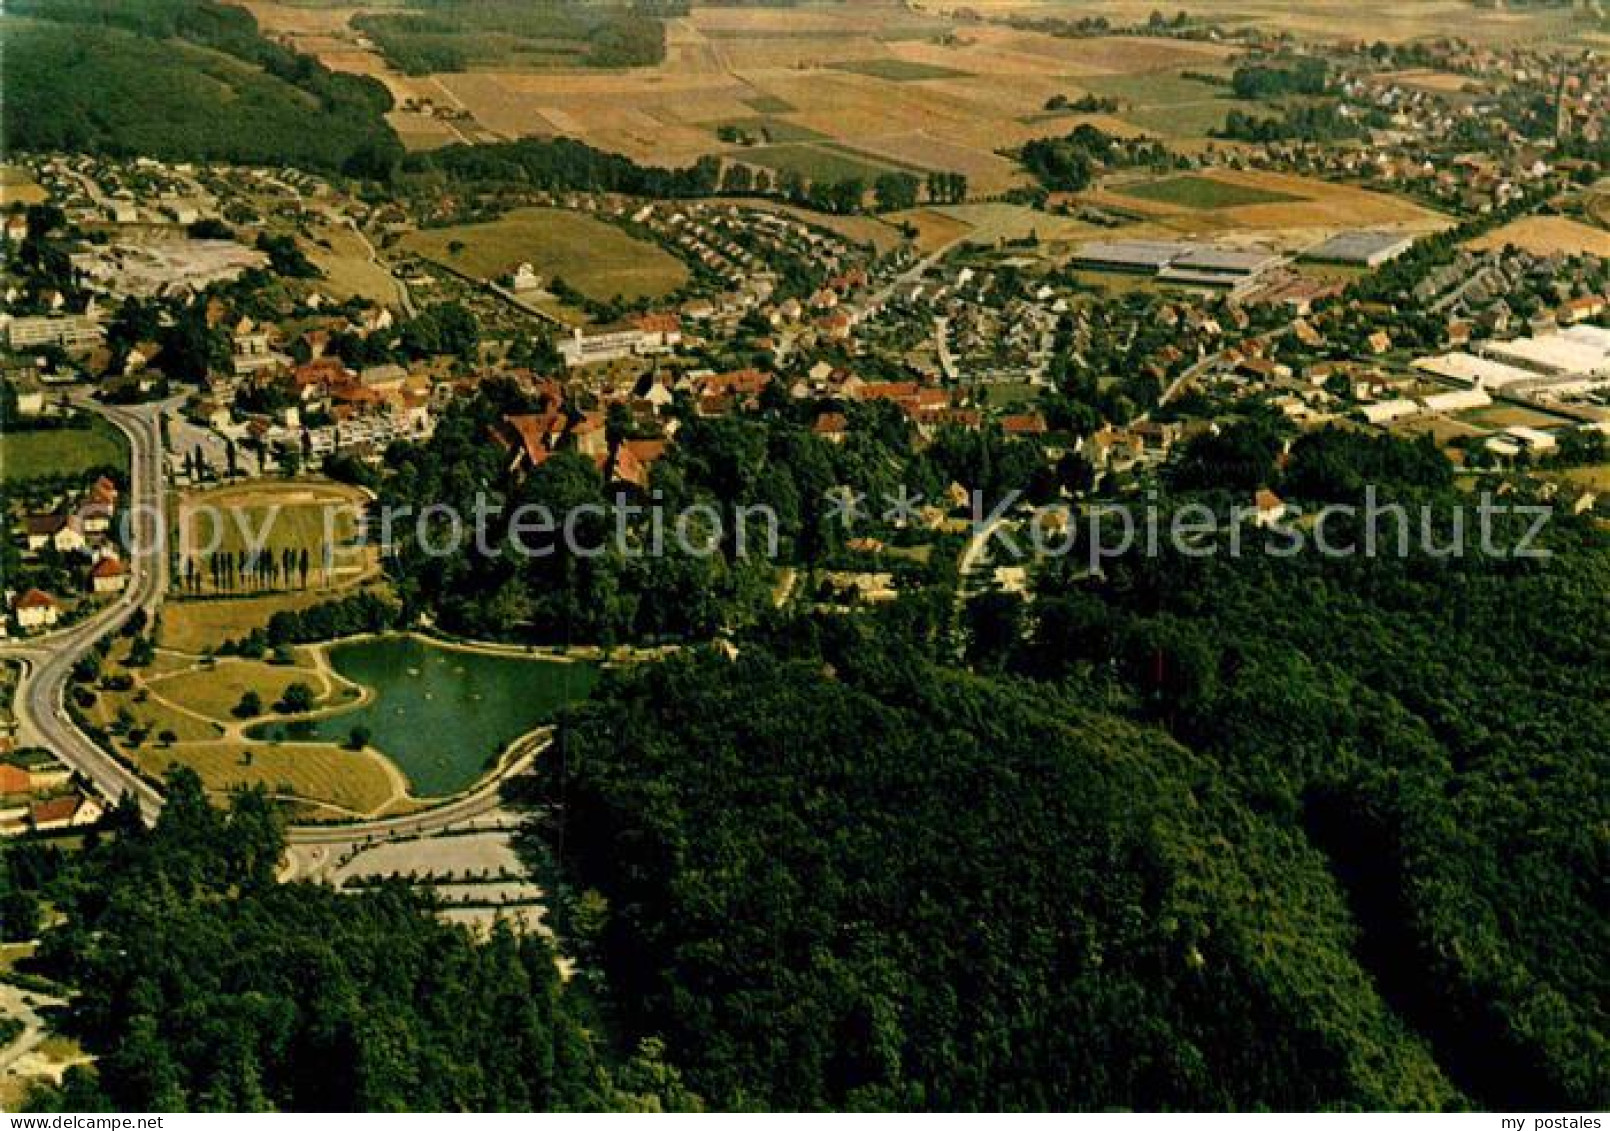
(1361, 249)
(1179, 262)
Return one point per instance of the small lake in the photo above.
(441, 714)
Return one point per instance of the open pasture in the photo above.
(595, 257)
(1303, 210)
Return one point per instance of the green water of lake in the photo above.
(439, 713)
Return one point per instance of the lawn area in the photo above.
(153, 716)
(196, 626)
(320, 518)
(215, 692)
(353, 780)
(1010, 394)
(816, 162)
(62, 451)
(598, 259)
(1204, 193)
(17, 186)
(1511, 416)
(1595, 478)
(898, 70)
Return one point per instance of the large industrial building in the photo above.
(1559, 363)
(1363, 249)
(1179, 262)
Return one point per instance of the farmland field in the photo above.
(62, 451)
(771, 129)
(898, 70)
(1387, 20)
(814, 162)
(1206, 193)
(596, 258)
(1547, 235)
(1311, 209)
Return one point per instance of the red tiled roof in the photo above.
(56, 809)
(35, 599)
(1023, 424)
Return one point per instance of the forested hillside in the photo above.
(1218, 832)
(182, 80)
(874, 883)
(203, 984)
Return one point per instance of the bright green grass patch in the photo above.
(898, 70)
(62, 451)
(815, 162)
(1204, 193)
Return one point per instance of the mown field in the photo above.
(1206, 193)
(17, 186)
(355, 781)
(596, 258)
(215, 690)
(319, 518)
(61, 451)
(194, 626)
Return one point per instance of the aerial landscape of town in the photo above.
(877, 555)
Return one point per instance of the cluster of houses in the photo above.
(38, 794)
(78, 533)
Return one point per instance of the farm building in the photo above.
(1364, 249)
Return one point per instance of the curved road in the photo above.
(47, 664)
(48, 660)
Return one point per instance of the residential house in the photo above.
(36, 609)
(107, 576)
(69, 812)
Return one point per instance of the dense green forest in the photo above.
(203, 984)
(1263, 831)
(625, 593)
(182, 80)
(1202, 831)
(454, 35)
